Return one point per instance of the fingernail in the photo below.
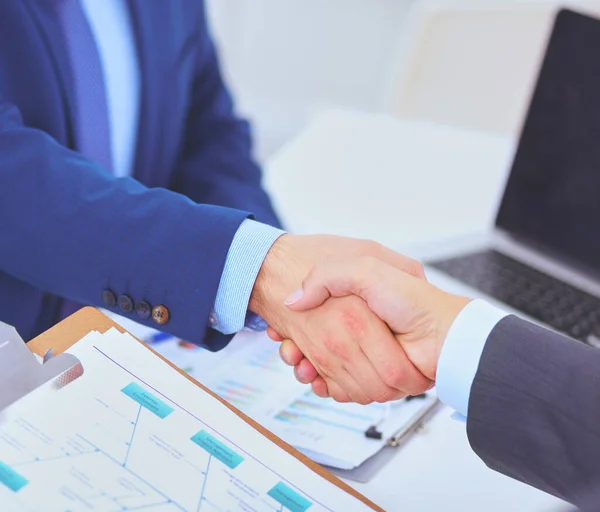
(299, 372)
(284, 356)
(294, 297)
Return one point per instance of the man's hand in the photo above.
(353, 351)
(417, 312)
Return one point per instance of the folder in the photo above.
(64, 370)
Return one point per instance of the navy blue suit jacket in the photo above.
(68, 228)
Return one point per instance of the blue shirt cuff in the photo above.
(247, 252)
(461, 352)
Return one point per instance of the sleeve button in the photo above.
(125, 303)
(143, 309)
(160, 314)
(109, 299)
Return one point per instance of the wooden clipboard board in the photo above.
(68, 332)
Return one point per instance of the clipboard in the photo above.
(66, 333)
(369, 468)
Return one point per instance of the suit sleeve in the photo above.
(588, 500)
(70, 228)
(534, 408)
(216, 165)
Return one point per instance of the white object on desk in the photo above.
(404, 183)
(394, 181)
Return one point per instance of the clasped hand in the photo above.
(361, 322)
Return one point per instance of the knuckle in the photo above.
(396, 395)
(368, 264)
(340, 397)
(420, 388)
(418, 268)
(385, 395)
(361, 396)
(336, 348)
(319, 387)
(321, 363)
(352, 319)
(394, 378)
(372, 248)
(365, 401)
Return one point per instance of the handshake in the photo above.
(363, 325)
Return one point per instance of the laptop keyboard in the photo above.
(545, 298)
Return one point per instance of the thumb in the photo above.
(309, 296)
(322, 282)
(391, 294)
(331, 280)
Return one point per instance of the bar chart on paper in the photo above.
(314, 417)
(333, 430)
(239, 394)
(118, 443)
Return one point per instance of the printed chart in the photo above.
(250, 375)
(112, 441)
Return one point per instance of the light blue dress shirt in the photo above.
(248, 250)
(111, 25)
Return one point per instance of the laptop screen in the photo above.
(552, 197)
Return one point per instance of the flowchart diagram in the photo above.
(122, 445)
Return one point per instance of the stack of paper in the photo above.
(250, 374)
(134, 434)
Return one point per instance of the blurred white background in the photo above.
(460, 62)
(286, 59)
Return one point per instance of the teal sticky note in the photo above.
(11, 479)
(217, 449)
(147, 400)
(289, 498)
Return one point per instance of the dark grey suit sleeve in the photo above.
(588, 500)
(534, 409)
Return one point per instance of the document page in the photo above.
(250, 374)
(133, 434)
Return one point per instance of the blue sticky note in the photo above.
(12, 479)
(217, 449)
(147, 400)
(289, 498)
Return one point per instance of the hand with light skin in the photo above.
(417, 312)
(354, 352)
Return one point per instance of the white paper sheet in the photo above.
(249, 374)
(133, 434)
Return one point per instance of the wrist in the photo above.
(282, 272)
(448, 309)
(435, 311)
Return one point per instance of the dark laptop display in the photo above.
(553, 194)
(552, 198)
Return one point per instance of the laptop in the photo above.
(543, 257)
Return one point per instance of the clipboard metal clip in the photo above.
(21, 373)
(415, 425)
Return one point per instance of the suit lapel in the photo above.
(147, 31)
(153, 60)
(43, 16)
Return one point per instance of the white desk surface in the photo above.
(403, 183)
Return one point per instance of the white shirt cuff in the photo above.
(461, 352)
